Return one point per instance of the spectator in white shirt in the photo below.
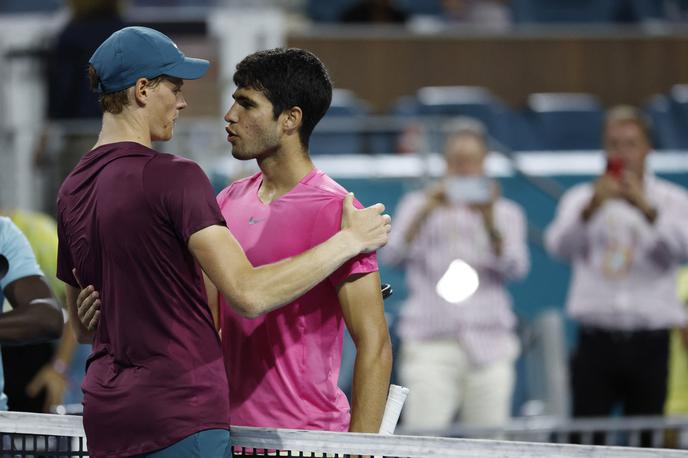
(457, 354)
(626, 234)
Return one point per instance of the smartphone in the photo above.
(469, 190)
(386, 290)
(615, 167)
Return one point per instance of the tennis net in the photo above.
(38, 435)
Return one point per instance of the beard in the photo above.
(263, 146)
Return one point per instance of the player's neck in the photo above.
(282, 171)
(121, 128)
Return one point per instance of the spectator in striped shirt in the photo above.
(458, 343)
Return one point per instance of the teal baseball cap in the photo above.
(140, 52)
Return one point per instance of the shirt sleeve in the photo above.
(567, 236)
(669, 239)
(397, 251)
(15, 247)
(514, 261)
(182, 192)
(329, 222)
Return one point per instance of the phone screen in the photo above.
(469, 190)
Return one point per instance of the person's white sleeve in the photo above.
(514, 262)
(669, 240)
(16, 248)
(396, 252)
(566, 237)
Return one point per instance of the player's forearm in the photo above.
(83, 335)
(370, 386)
(274, 285)
(253, 291)
(38, 321)
(66, 347)
(81, 332)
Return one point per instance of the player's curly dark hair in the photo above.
(289, 78)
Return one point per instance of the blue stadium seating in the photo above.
(329, 11)
(576, 11)
(29, 6)
(424, 7)
(446, 101)
(586, 11)
(678, 99)
(665, 132)
(331, 138)
(565, 121)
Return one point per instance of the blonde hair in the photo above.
(464, 126)
(622, 114)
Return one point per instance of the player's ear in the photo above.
(292, 119)
(141, 91)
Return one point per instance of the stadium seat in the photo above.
(574, 11)
(330, 11)
(665, 132)
(334, 134)
(565, 121)
(586, 11)
(435, 103)
(29, 6)
(422, 8)
(678, 100)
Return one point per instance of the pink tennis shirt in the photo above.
(283, 366)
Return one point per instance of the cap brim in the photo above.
(188, 69)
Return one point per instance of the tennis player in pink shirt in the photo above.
(283, 366)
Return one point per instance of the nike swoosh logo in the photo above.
(252, 220)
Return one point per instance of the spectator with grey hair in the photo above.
(459, 346)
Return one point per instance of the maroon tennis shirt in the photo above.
(156, 373)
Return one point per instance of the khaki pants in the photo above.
(443, 384)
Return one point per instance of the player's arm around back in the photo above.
(364, 315)
(257, 290)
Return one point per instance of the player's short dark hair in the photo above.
(289, 78)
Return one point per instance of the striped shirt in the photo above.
(484, 323)
(624, 268)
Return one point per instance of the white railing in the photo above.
(25, 434)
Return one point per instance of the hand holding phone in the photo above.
(615, 167)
